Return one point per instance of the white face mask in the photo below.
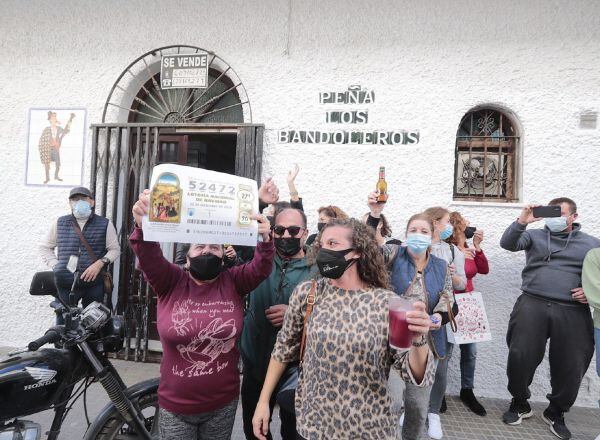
(556, 224)
(81, 209)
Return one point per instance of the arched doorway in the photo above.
(143, 125)
(137, 95)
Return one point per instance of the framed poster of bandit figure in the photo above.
(55, 146)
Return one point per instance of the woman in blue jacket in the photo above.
(419, 275)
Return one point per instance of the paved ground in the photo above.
(461, 424)
(458, 423)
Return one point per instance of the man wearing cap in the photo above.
(72, 254)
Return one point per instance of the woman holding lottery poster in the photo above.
(199, 321)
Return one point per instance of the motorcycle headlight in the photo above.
(113, 334)
(94, 316)
(117, 326)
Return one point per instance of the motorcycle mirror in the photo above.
(43, 284)
(72, 301)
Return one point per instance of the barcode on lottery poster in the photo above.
(209, 222)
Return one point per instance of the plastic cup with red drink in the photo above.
(400, 337)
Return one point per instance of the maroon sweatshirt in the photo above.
(199, 326)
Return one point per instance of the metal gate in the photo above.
(123, 156)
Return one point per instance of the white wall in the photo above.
(429, 62)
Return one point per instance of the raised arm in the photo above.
(516, 238)
(268, 193)
(247, 277)
(161, 274)
(480, 259)
(295, 199)
(389, 251)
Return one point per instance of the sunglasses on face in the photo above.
(293, 230)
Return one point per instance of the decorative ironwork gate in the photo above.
(136, 96)
(486, 155)
(123, 156)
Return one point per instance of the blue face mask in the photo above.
(447, 232)
(556, 224)
(82, 209)
(418, 243)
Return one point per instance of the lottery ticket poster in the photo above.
(193, 205)
(472, 320)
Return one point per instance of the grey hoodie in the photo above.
(553, 260)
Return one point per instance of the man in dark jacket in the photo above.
(553, 306)
(266, 309)
(72, 254)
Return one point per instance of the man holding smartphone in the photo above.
(553, 306)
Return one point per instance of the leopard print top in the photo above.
(342, 391)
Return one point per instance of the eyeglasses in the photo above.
(280, 230)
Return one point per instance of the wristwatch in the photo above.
(105, 261)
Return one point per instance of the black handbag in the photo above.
(286, 395)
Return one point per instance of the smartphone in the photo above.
(546, 211)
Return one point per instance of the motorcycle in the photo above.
(36, 379)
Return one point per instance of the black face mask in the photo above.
(470, 231)
(205, 267)
(288, 246)
(320, 226)
(332, 264)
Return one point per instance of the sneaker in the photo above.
(401, 420)
(435, 426)
(557, 424)
(469, 399)
(518, 411)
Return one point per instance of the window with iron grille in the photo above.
(486, 157)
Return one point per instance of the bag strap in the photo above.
(84, 241)
(310, 302)
(451, 317)
(452, 251)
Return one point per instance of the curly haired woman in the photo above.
(342, 389)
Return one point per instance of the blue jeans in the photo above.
(438, 389)
(468, 359)
(597, 338)
(86, 295)
(416, 401)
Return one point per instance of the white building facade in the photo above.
(423, 68)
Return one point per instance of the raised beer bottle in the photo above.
(382, 186)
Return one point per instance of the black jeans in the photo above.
(86, 295)
(570, 329)
(250, 393)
